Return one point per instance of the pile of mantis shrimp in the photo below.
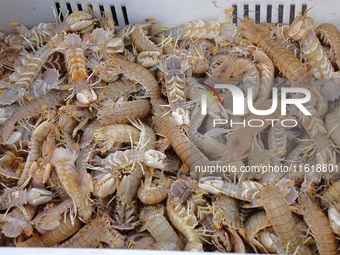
(103, 136)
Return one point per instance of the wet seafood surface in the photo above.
(199, 137)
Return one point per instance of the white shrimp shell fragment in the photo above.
(86, 96)
(334, 219)
(15, 136)
(9, 94)
(62, 154)
(153, 158)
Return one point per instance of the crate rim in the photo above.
(32, 12)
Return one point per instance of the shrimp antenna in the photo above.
(90, 10)
(237, 17)
(307, 10)
(55, 14)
